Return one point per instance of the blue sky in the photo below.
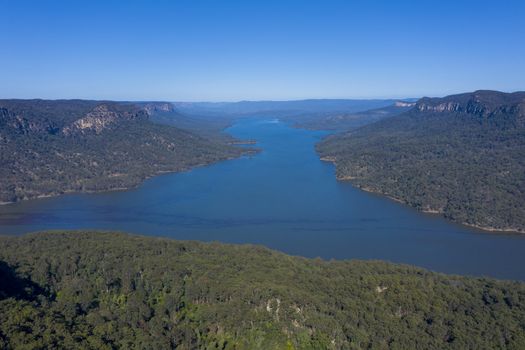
(233, 50)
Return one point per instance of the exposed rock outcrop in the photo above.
(155, 107)
(482, 103)
(21, 125)
(102, 117)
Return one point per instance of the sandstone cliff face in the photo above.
(20, 125)
(101, 118)
(404, 104)
(21, 120)
(484, 104)
(155, 107)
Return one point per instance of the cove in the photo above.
(284, 198)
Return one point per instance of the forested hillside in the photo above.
(86, 290)
(53, 147)
(462, 156)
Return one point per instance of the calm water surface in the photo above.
(284, 198)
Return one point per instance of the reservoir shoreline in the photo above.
(285, 198)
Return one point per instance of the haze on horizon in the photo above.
(267, 50)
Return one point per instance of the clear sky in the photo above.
(190, 50)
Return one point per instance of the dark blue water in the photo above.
(284, 198)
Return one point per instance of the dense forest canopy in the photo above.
(462, 156)
(102, 290)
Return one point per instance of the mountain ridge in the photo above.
(461, 156)
(54, 147)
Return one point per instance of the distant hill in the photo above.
(342, 121)
(210, 127)
(86, 290)
(53, 147)
(210, 118)
(280, 108)
(462, 156)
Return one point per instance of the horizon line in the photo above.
(259, 100)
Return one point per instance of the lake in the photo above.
(284, 198)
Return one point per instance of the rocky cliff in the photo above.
(102, 117)
(484, 104)
(155, 107)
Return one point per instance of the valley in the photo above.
(283, 197)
